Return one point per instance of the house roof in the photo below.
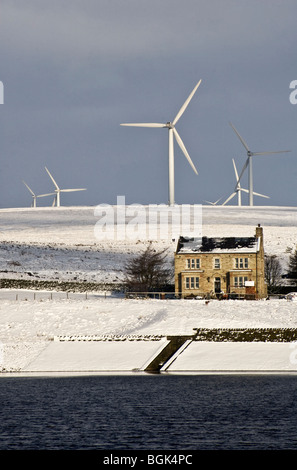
(218, 245)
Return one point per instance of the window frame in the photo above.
(192, 282)
(193, 263)
(241, 263)
(215, 264)
(239, 281)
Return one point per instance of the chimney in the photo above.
(259, 235)
(259, 231)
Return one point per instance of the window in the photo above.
(193, 263)
(240, 281)
(241, 263)
(192, 282)
(217, 263)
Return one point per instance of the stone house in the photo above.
(230, 267)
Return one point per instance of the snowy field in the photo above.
(59, 244)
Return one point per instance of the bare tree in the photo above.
(148, 271)
(273, 273)
(292, 271)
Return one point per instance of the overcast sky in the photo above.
(74, 70)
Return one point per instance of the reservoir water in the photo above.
(155, 412)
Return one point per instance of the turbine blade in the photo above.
(29, 188)
(242, 171)
(43, 195)
(255, 194)
(184, 150)
(240, 138)
(235, 169)
(229, 198)
(52, 178)
(184, 106)
(209, 202)
(143, 124)
(71, 190)
(269, 153)
(261, 195)
(213, 203)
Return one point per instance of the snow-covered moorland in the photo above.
(60, 244)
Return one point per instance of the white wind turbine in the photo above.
(35, 196)
(58, 190)
(213, 203)
(173, 133)
(249, 163)
(238, 189)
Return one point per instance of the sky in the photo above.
(74, 70)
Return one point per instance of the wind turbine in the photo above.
(213, 203)
(173, 133)
(249, 163)
(238, 189)
(58, 190)
(34, 196)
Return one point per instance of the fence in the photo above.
(35, 295)
(187, 296)
(41, 296)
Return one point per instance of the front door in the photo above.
(217, 285)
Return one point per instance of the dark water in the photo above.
(156, 412)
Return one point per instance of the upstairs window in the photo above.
(193, 263)
(241, 263)
(217, 263)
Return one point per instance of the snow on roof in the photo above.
(218, 245)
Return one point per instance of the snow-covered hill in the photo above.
(61, 244)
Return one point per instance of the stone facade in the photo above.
(222, 267)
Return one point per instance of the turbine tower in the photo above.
(34, 196)
(58, 190)
(238, 189)
(173, 133)
(249, 163)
